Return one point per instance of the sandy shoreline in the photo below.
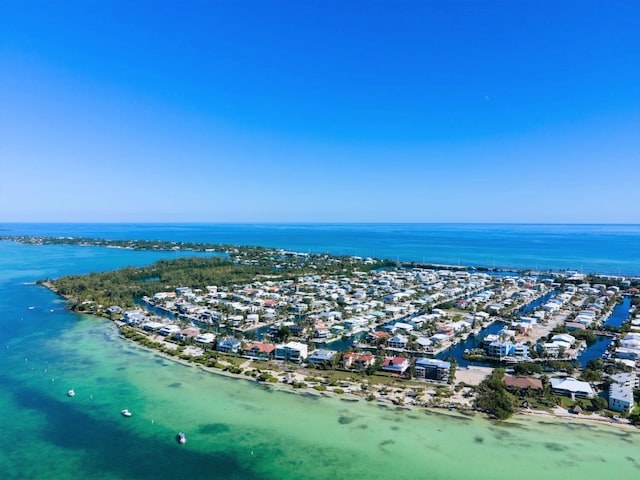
(353, 392)
(558, 416)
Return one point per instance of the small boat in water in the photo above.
(125, 413)
(181, 438)
(71, 393)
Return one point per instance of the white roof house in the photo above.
(564, 337)
(205, 338)
(571, 387)
(168, 330)
(292, 351)
(620, 398)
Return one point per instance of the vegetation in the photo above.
(493, 397)
(527, 368)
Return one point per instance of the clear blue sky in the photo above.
(329, 111)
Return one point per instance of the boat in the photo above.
(71, 393)
(181, 438)
(125, 413)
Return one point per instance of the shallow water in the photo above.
(235, 428)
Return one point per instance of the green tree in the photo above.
(493, 396)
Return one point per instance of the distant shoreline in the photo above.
(226, 249)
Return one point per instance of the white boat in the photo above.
(181, 438)
(71, 393)
(125, 413)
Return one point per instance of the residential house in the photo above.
(262, 351)
(398, 341)
(228, 345)
(358, 360)
(132, 317)
(522, 383)
(395, 365)
(292, 351)
(152, 326)
(432, 369)
(571, 387)
(321, 356)
(187, 333)
(205, 338)
(620, 398)
(169, 330)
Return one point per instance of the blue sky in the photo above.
(329, 111)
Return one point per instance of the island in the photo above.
(416, 335)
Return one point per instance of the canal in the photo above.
(535, 303)
(472, 341)
(620, 313)
(596, 350)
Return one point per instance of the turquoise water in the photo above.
(235, 428)
(613, 249)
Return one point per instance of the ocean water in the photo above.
(611, 249)
(236, 428)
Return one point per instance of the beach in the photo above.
(235, 428)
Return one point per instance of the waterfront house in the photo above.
(259, 350)
(398, 341)
(438, 338)
(152, 326)
(432, 369)
(571, 387)
(395, 365)
(573, 326)
(627, 353)
(169, 330)
(628, 379)
(187, 333)
(292, 351)
(321, 333)
(620, 398)
(321, 356)
(132, 317)
(358, 360)
(424, 343)
(378, 336)
(522, 383)
(205, 338)
(228, 345)
(114, 310)
(499, 349)
(565, 339)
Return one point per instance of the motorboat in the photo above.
(125, 413)
(71, 393)
(181, 438)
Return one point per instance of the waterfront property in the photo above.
(358, 361)
(260, 350)
(522, 383)
(620, 398)
(321, 356)
(395, 365)
(292, 352)
(406, 312)
(572, 388)
(432, 369)
(228, 345)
